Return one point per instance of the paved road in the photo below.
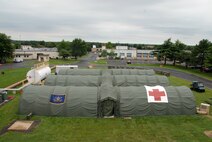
(84, 62)
(187, 76)
(25, 64)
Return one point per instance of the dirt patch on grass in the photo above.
(23, 126)
(208, 133)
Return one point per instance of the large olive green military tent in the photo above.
(140, 80)
(99, 93)
(71, 80)
(68, 101)
(97, 72)
(134, 102)
(116, 80)
(103, 101)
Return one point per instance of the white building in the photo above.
(121, 47)
(28, 52)
(125, 53)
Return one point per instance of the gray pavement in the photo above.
(25, 64)
(84, 61)
(180, 74)
(186, 76)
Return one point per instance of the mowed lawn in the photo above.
(62, 61)
(14, 75)
(11, 76)
(154, 128)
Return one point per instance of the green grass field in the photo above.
(62, 61)
(155, 129)
(11, 76)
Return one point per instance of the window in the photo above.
(129, 54)
(122, 54)
(151, 55)
(139, 55)
(144, 55)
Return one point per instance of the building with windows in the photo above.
(125, 52)
(146, 55)
(28, 52)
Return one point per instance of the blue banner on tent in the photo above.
(57, 99)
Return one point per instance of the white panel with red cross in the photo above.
(156, 94)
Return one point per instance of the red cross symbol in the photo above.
(157, 94)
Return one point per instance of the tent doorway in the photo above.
(108, 108)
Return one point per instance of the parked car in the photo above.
(207, 69)
(17, 60)
(197, 86)
(196, 67)
(129, 62)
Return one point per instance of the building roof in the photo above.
(23, 54)
(37, 50)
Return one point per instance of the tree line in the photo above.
(201, 54)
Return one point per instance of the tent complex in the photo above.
(100, 93)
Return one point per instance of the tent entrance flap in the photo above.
(108, 108)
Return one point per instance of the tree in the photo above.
(6, 48)
(185, 56)
(200, 52)
(64, 53)
(112, 54)
(175, 50)
(50, 44)
(208, 61)
(109, 45)
(64, 49)
(63, 45)
(78, 48)
(104, 53)
(164, 50)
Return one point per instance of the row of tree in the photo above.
(76, 48)
(201, 54)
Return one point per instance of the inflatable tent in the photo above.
(70, 80)
(98, 72)
(59, 101)
(140, 80)
(116, 80)
(107, 100)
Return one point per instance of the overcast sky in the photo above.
(129, 21)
